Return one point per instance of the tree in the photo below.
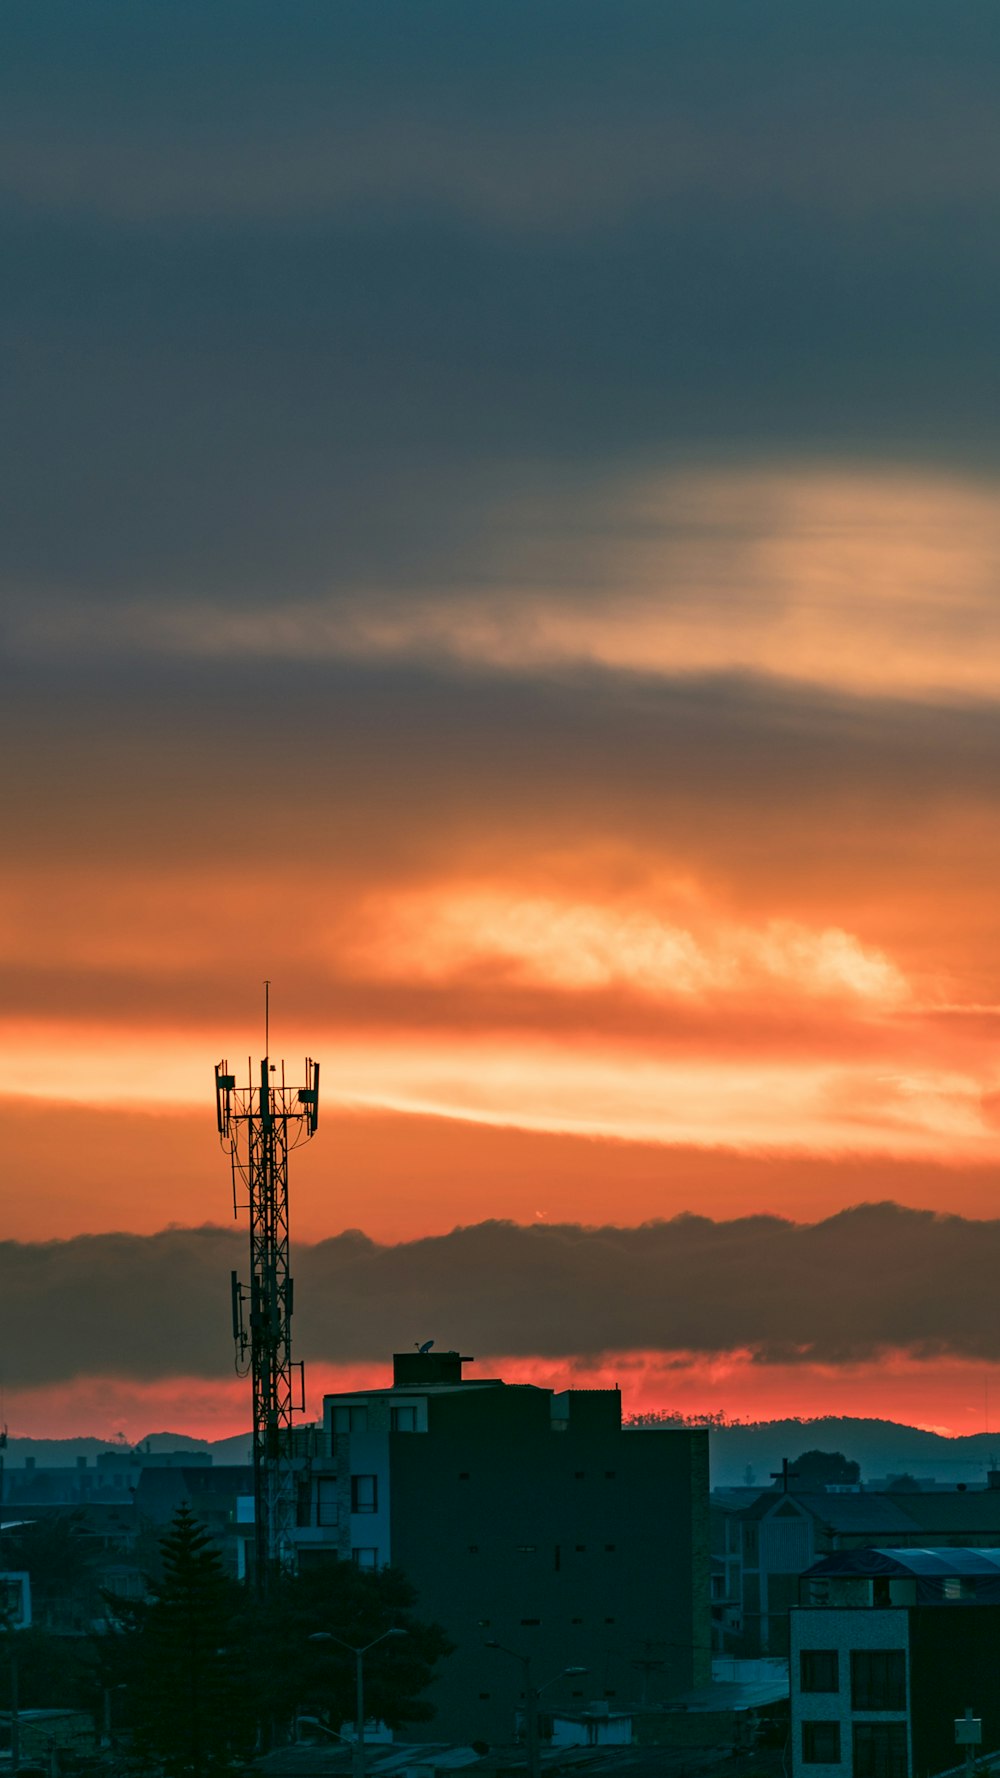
(205, 1667)
(822, 1469)
(190, 1708)
(293, 1646)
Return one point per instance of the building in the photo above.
(889, 1648)
(763, 1547)
(523, 1518)
(214, 1494)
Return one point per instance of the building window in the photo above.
(878, 1679)
(350, 1419)
(609, 1475)
(577, 1694)
(880, 1750)
(578, 1475)
(957, 1586)
(819, 1670)
(365, 1558)
(327, 1503)
(576, 1620)
(484, 1694)
(473, 1549)
(463, 1475)
(581, 1549)
(364, 1494)
(531, 1620)
(821, 1743)
(609, 1549)
(404, 1419)
(609, 1620)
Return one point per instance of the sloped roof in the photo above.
(858, 1513)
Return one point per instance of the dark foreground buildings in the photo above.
(527, 1518)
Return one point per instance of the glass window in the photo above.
(327, 1502)
(364, 1558)
(821, 1743)
(878, 1679)
(404, 1419)
(819, 1670)
(364, 1494)
(880, 1750)
(958, 1586)
(350, 1419)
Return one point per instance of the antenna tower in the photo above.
(258, 1126)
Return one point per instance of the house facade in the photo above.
(889, 1649)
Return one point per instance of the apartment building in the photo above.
(890, 1648)
(527, 1518)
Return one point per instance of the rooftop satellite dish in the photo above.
(426, 1346)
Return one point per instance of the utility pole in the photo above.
(358, 1756)
(532, 1698)
(647, 1664)
(259, 1125)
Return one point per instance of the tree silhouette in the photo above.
(296, 1654)
(189, 1711)
(823, 1469)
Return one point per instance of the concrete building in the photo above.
(525, 1518)
(889, 1648)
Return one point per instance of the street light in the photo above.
(359, 1674)
(532, 1694)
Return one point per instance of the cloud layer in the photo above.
(862, 1284)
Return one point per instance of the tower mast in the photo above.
(259, 1125)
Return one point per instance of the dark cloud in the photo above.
(292, 306)
(845, 1290)
(417, 762)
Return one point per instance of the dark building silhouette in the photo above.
(522, 1517)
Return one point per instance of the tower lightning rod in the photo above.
(259, 1125)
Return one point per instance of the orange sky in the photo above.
(507, 551)
(728, 949)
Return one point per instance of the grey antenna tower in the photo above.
(259, 1125)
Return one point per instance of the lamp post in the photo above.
(532, 1694)
(359, 1685)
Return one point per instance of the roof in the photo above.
(950, 1511)
(857, 1513)
(938, 1564)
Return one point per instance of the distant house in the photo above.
(768, 1544)
(213, 1495)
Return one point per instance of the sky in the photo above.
(501, 539)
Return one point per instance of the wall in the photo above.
(576, 1547)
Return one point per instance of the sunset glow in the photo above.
(509, 554)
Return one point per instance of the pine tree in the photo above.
(190, 1710)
